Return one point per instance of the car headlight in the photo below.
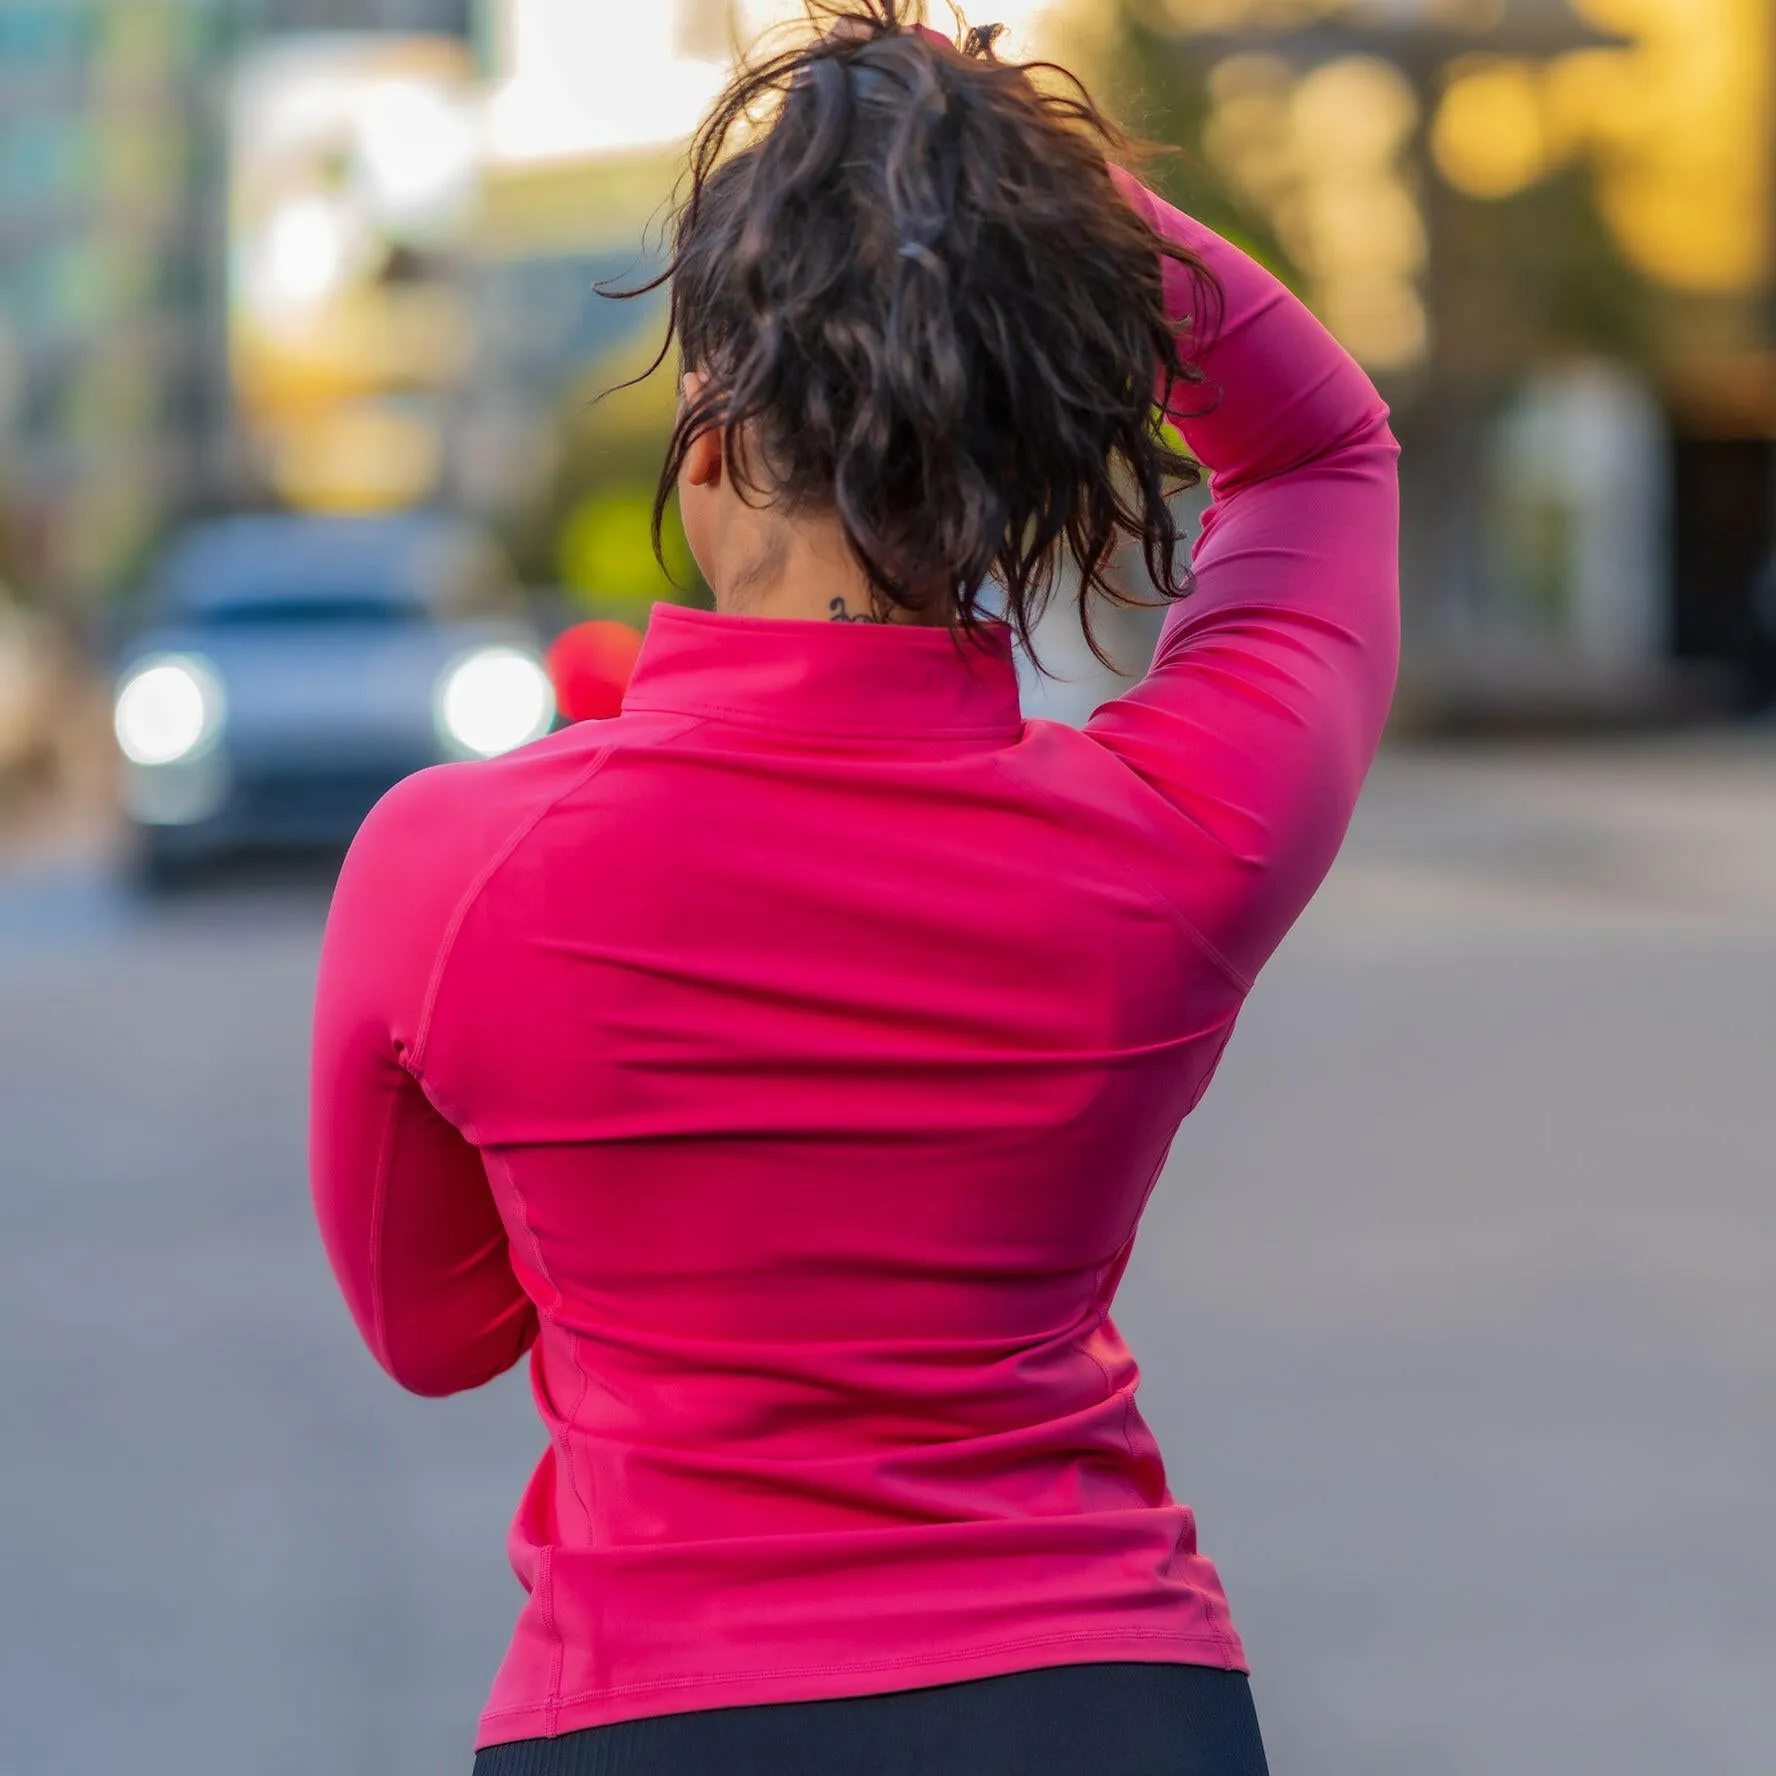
(168, 709)
(494, 699)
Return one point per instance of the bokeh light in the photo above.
(167, 709)
(495, 699)
(1681, 125)
(1321, 154)
(1489, 138)
(304, 251)
(420, 151)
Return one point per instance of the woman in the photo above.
(785, 1063)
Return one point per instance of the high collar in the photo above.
(887, 680)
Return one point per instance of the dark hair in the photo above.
(915, 287)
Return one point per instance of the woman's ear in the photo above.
(702, 465)
(700, 488)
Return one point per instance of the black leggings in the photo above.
(1093, 1720)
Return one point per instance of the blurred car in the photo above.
(291, 669)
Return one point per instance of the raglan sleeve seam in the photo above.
(413, 1061)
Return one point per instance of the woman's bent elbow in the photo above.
(437, 1368)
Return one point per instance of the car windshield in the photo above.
(356, 609)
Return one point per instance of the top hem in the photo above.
(599, 1708)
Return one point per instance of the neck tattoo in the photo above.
(841, 613)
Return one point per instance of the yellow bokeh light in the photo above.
(1381, 320)
(1357, 110)
(1681, 124)
(1321, 155)
(1347, 227)
(1589, 102)
(1236, 76)
(1699, 247)
(1489, 139)
(1677, 126)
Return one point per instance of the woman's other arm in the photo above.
(403, 1202)
(1271, 683)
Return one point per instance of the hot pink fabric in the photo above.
(786, 1062)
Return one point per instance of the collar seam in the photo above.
(749, 719)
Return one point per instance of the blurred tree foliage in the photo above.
(605, 557)
(1526, 277)
(1157, 90)
(590, 532)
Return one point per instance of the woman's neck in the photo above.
(801, 569)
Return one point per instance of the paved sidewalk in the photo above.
(1454, 1311)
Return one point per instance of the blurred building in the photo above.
(115, 410)
(103, 298)
(588, 106)
(353, 164)
(1545, 226)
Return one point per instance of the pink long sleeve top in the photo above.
(786, 1062)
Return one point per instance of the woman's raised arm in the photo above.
(1271, 683)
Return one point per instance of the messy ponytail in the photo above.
(920, 304)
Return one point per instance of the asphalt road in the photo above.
(1456, 1312)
